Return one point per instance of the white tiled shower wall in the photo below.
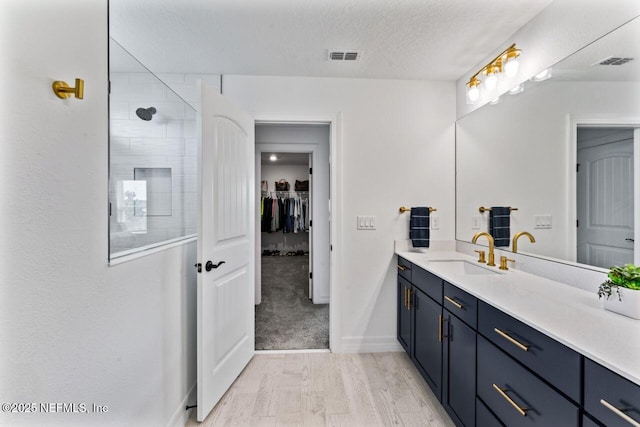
(169, 140)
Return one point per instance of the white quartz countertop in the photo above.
(570, 315)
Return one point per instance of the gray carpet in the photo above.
(286, 319)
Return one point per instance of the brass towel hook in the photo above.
(62, 89)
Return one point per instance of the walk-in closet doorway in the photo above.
(293, 265)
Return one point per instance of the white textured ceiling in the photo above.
(401, 39)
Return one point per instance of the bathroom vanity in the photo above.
(515, 349)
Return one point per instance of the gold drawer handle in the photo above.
(401, 267)
(511, 340)
(619, 413)
(522, 411)
(454, 302)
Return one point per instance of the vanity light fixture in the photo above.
(273, 157)
(506, 63)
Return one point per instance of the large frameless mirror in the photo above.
(562, 151)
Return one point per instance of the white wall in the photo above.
(397, 148)
(72, 329)
(558, 31)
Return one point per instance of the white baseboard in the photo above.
(369, 344)
(181, 416)
(321, 300)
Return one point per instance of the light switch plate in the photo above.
(475, 222)
(542, 221)
(365, 222)
(434, 222)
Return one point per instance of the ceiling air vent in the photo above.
(344, 55)
(614, 61)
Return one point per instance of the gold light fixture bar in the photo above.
(494, 67)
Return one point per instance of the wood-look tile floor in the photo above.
(327, 389)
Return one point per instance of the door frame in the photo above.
(599, 121)
(335, 208)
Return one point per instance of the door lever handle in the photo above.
(629, 239)
(210, 266)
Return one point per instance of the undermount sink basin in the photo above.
(465, 267)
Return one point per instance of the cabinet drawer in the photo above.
(516, 396)
(484, 417)
(606, 393)
(404, 268)
(461, 304)
(554, 362)
(587, 422)
(428, 283)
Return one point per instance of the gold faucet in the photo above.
(514, 246)
(491, 262)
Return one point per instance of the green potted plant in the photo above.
(624, 282)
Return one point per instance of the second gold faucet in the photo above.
(514, 245)
(492, 261)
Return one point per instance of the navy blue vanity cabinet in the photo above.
(610, 398)
(459, 370)
(551, 360)
(587, 422)
(516, 396)
(427, 282)
(404, 314)
(461, 304)
(427, 339)
(484, 417)
(404, 268)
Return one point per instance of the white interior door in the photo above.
(605, 203)
(226, 241)
(309, 212)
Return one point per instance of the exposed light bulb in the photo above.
(473, 93)
(511, 67)
(273, 157)
(491, 81)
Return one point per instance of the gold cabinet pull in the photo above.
(454, 302)
(440, 328)
(401, 267)
(405, 297)
(511, 340)
(521, 411)
(619, 413)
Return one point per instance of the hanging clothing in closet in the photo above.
(288, 213)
